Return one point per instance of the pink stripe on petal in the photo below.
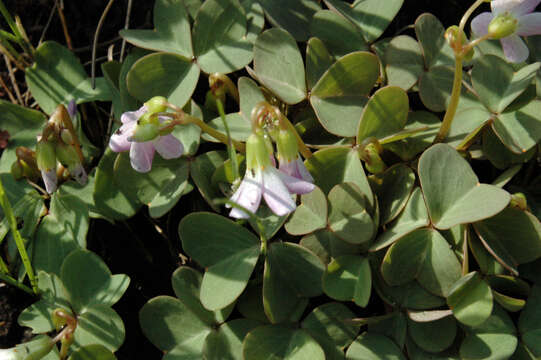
(514, 49)
(119, 140)
(479, 24)
(168, 146)
(529, 24)
(248, 195)
(515, 7)
(296, 185)
(276, 194)
(141, 155)
(131, 116)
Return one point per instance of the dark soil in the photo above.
(135, 247)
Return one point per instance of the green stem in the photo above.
(230, 148)
(213, 132)
(8, 212)
(11, 281)
(3, 267)
(453, 103)
(303, 149)
(466, 16)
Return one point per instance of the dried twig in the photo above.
(95, 43)
(64, 25)
(13, 80)
(10, 94)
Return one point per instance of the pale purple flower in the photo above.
(267, 183)
(528, 23)
(142, 153)
(296, 177)
(50, 180)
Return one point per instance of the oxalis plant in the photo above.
(358, 197)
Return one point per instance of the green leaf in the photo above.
(57, 77)
(278, 65)
(201, 170)
(219, 38)
(294, 17)
(163, 74)
(348, 215)
(326, 245)
(393, 189)
(328, 325)
(436, 49)
(500, 156)
(371, 346)
(226, 249)
(413, 217)
(186, 284)
(171, 33)
(493, 339)
(433, 336)
(471, 300)
(339, 35)
(371, 16)
(348, 278)
(504, 231)
(250, 95)
(469, 121)
(435, 87)
(310, 215)
(89, 282)
(112, 200)
(496, 82)
(169, 324)
(28, 211)
(452, 191)
(318, 60)
(385, 114)
(519, 130)
(72, 215)
(404, 62)
(530, 320)
(250, 303)
(92, 352)
(226, 343)
(240, 128)
(393, 326)
(280, 343)
(99, 324)
(340, 94)
(170, 190)
(334, 166)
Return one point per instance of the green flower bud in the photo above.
(148, 118)
(67, 155)
(17, 170)
(518, 200)
(66, 137)
(451, 35)
(373, 161)
(145, 132)
(286, 143)
(156, 104)
(45, 155)
(257, 154)
(502, 26)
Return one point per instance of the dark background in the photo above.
(135, 247)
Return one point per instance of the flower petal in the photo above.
(50, 180)
(515, 7)
(514, 49)
(168, 146)
(479, 24)
(119, 140)
(529, 24)
(296, 185)
(141, 155)
(275, 192)
(303, 171)
(72, 109)
(248, 195)
(131, 116)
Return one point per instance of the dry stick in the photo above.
(13, 80)
(11, 97)
(126, 27)
(95, 43)
(64, 25)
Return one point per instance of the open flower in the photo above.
(508, 20)
(292, 170)
(142, 152)
(263, 180)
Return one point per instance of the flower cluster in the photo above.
(140, 133)
(58, 143)
(509, 20)
(263, 180)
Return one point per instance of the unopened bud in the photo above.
(518, 200)
(67, 155)
(257, 155)
(17, 171)
(373, 161)
(66, 137)
(502, 26)
(145, 132)
(45, 156)
(451, 35)
(156, 104)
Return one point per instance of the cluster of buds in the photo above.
(262, 179)
(145, 131)
(58, 149)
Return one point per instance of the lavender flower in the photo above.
(142, 152)
(508, 20)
